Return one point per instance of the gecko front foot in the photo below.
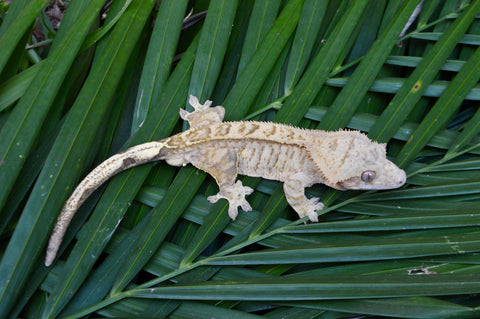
(235, 194)
(315, 205)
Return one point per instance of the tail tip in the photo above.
(50, 257)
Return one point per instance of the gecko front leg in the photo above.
(294, 188)
(222, 164)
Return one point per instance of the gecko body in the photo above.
(297, 157)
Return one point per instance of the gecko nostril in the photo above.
(402, 179)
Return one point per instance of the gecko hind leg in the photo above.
(203, 114)
(294, 189)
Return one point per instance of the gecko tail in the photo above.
(134, 156)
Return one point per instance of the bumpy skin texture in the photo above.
(300, 158)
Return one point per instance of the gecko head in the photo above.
(350, 160)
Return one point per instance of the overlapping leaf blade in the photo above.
(318, 288)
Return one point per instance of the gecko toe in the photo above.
(247, 190)
(317, 205)
(246, 206)
(232, 212)
(214, 198)
(313, 216)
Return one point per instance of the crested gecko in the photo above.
(344, 160)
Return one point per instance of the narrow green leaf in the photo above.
(391, 208)
(318, 288)
(357, 250)
(185, 309)
(294, 312)
(14, 88)
(213, 224)
(416, 220)
(416, 84)
(211, 48)
(393, 85)
(428, 10)
(465, 165)
(307, 31)
(412, 61)
(368, 30)
(470, 39)
(403, 307)
(262, 19)
(27, 178)
(158, 61)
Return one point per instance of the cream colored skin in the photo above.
(300, 158)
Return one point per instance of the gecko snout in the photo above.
(402, 178)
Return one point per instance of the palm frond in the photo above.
(153, 246)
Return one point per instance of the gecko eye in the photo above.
(368, 176)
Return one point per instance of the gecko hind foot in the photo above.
(203, 114)
(198, 108)
(235, 194)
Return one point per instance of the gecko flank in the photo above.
(298, 157)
